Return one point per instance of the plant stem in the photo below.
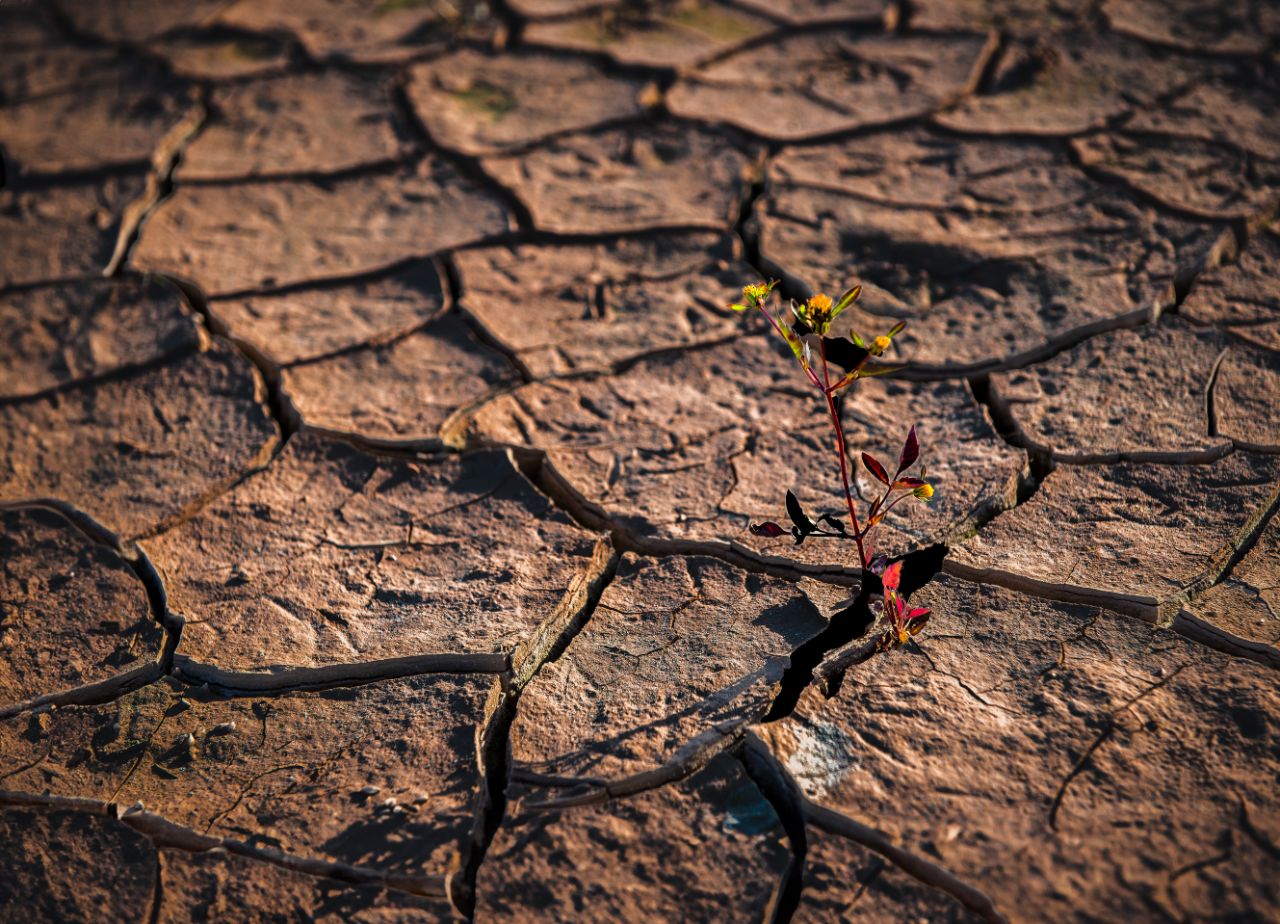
(844, 459)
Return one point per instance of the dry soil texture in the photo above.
(378, 451)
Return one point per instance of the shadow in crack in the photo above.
(852, 622)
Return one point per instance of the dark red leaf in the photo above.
(908, 482)
(828, 520)
(891, 576)
(767, 529)
(797, 514)
(918, 612)
(875, 468)
(910, 451)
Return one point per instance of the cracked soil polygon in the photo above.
(347, 557)
(309, 322)
(111, 122)
(665, 35)
(591, 307)
(143, 448)
(709, 848)
(403, 391)
(1066, 84)
(1243, 297)
(298, 123)
(73, 612)
(237, 238)
(811, 85)
(640, 177)
(1125, 535)
(74, 866)
(365, 31)
(1247, 602)
(478, 104)
(1166, 392)
(59, 335)
(624, 698)
(63, 232)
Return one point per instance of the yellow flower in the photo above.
(816, 313)
(924, 492)
(879, 345)
(755, 295)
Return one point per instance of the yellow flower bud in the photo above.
(924, 492)
(879, 345)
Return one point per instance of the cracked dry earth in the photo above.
(376, 457)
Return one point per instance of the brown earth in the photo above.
(377, 452)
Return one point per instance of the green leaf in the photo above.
(846, 300)
(737, 307)
(797, 346)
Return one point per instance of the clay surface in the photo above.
(380, 451)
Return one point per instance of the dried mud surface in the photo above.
(377, 453)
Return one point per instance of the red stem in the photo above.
(844, 459)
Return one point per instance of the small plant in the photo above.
(832, 365)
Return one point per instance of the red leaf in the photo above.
(767, 529)
(910, 451)
(875, 467)
(917, 613)
(908, 482)
(892, 575)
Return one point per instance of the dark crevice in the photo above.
(903, 11)
(116, 374)
(19, 288)
(290, 680)
(1210, 387)
(381, 166)
(1039, 461)
(988, 78)
(493, 738)
(788, 806)
(469, 167)
(851, 623)
(170, 624)
(159, 184)
(157, 894)
(278, 403)
(493, 748)
(454, 286)
(747, 229)
(34, 181)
